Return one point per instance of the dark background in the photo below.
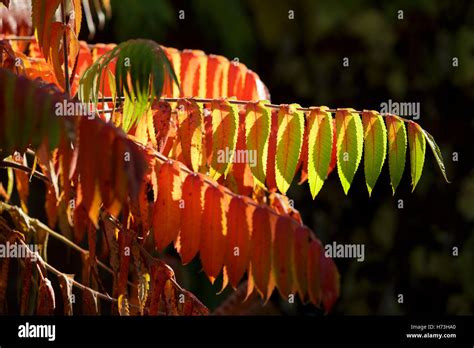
(407, 251)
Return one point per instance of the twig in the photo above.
(245, 102)
(8, 164)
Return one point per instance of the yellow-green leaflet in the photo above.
(349, 145)
(319, 147)
(397, 148)
(257, 131)
(417, 143)
(437, 153)
(375, 147)
(225, 122)
(289, 143)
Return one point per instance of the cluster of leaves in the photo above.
(156, 167)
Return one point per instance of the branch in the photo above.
(37, 225)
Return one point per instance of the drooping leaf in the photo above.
(90, 191)
(225, 121)
(213, 232)
(216, 79)
(283, 251)
(300, 260)
(289, 143)
(167, 211)
(90, 302)
(349, 145)
(272, 145)
(257, 125)
(375, 143)
(417, 144)
(244, 160)
(65, 282)
(437, 153)
(397, 147)
(320, 143)
(46, 302)
(190, 130)
(261, 257)
(193, 195)
(193, 73)
(315, 252)
(330, 286)
(238, 239)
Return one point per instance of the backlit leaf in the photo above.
(417, 143)
(225, 120)
(213, 232)
(320, 143)
(257, 125)
(289, 143)
(238, 239)
(167, 211)
(193, 194)
(375, 147)
(397, 147)
(349, 145)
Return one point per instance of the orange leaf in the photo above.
(191, 217)
(162, 121)
(217, 66)
(190, 130)
(193, 73)
(238, 239)
(283, 249)
(241, 166)
(236, 79)
(213, 232)
(166, 213)
(88, 169)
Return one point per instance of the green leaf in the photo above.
(437, 153)
(289, 144)
(225, 122)
(349, 145)
(417, 144)
(319, 147)
(139, 75)
(397, 148)
(257, 132)
(375, 147)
